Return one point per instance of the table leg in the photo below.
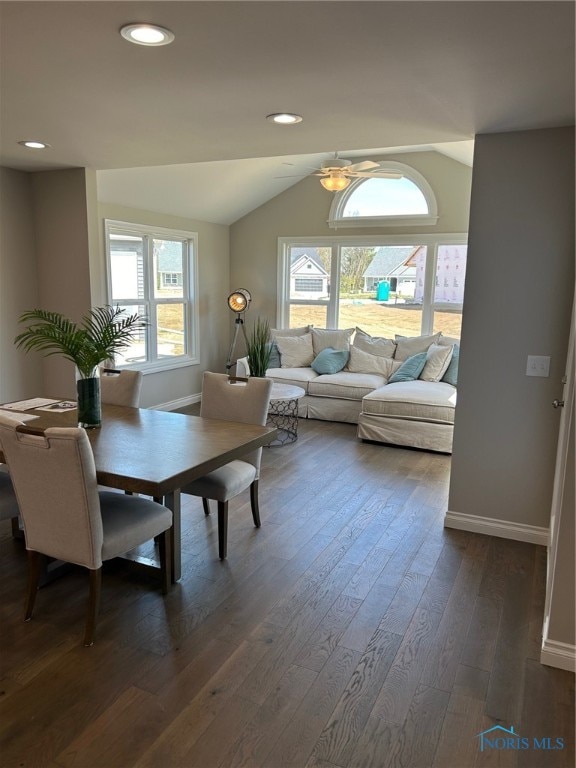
(172, 501)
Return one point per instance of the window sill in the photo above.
(160, 366)
(383, 221)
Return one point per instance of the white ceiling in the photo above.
(189, 118)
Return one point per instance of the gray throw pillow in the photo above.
(410, 369)
(451, 373)
(330, 360)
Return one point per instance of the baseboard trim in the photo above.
(533, 534)
(182, 402)
(559, 655)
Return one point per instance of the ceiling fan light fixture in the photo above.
(284, 118)
(146, 34)
(335, 182)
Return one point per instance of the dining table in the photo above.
(156, 453)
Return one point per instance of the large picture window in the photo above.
(153, 271)
(405, 285)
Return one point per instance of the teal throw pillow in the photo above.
(410, 369)
(275, 361)
(451, 374)
(330, 360)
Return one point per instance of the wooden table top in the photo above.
(157, 452)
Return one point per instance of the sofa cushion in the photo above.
(345, 385)
(451, 374)
(414, 400)
(437, 361)
(364, 362)
(331, 337)
(295, 351)
(408, 346)
(375, 345)
(410, 369)
(298, 377)
(330, 360)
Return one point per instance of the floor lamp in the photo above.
(238, 302)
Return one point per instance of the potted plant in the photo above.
(104, 332)
(259, 349)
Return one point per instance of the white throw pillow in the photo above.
(408, 346)
(375, 345)
(437, 361)
(296, 351)
(322, 338)
(363, 362)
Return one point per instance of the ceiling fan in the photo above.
(337, 173)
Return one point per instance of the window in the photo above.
(377, 202)
(153, 271)
(402, 285)
(171, 278)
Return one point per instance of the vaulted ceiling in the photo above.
(363, 75)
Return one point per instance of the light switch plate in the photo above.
(538, 365)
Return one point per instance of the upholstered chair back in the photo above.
(54, 477)
(246, 402)
(8, 503)
(120, 387)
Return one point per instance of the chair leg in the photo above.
(206, 505)
(165, 545)
(93, 605)
(254, 503)
(34, 561)
(222, 529)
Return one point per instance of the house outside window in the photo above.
(405, 285)
(153, 271)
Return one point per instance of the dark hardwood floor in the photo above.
(351, 631)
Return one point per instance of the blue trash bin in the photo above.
(383, 291)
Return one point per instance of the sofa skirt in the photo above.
(415, 434)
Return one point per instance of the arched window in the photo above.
(378, 202)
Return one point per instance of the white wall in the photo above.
(60, 224)
(20, 373)
(518, 300)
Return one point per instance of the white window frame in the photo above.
(189, 298)
(432, 242)
(337, 219)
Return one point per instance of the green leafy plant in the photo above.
(104, 332)
(259, 348)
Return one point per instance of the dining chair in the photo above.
(244, 401)
(120, 387)
(64, 515)
(8, 502)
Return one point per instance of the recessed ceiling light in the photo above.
(146, 34)
(284, 118)
(34, 144)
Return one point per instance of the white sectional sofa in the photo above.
(417, 413)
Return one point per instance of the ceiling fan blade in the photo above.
(304, 167)
(376, 175)
(365, 165)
